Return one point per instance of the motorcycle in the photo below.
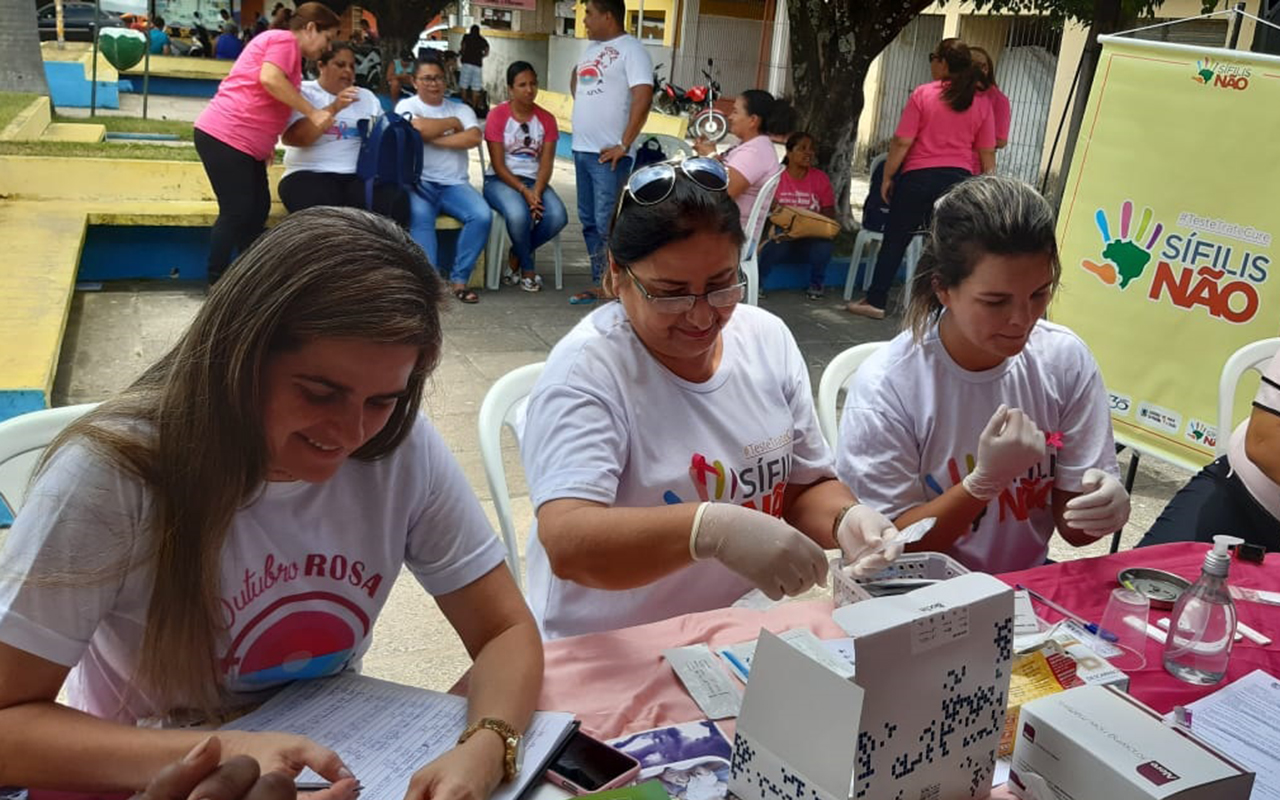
(697, 102)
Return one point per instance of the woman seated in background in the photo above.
(1001, 111)
(521, 136)
(234, 521)
(400, 81)
(672, 445)
(942, 125)
(806, 187)
(1239, 493)
(320, 163)
(981, 413)
(753, 161)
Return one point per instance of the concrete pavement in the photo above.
(114, 333)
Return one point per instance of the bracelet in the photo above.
(693, 532)
(835, 524)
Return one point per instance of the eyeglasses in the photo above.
(431, 78)
(651, 185)
(683, 303)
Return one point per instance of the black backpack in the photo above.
(649, 152)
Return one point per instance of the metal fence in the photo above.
(904, 65)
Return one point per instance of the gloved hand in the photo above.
(777, 558)
(1102, 508)
(867, 539)
(1009, 446)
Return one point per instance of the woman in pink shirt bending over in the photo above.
(236, 133)
(1001, 113)
(943, 123)
(753, 161)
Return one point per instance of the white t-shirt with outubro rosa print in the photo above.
(911, 425)
(338, 148)
(607, 423)
(305, 570)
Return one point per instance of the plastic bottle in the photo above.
(1203, 624)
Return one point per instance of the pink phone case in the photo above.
(570, 786)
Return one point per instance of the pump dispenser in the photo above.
(1203, 624)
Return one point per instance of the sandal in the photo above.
(813, 293)
(466, 295)
(512, 276)
(584, 298)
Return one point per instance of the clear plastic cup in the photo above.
(1124, 627)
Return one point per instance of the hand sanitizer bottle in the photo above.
(1203, 624)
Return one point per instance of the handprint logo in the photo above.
(1204, 71)
(1125, 258)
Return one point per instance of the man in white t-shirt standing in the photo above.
(612, 87)
(448, 129)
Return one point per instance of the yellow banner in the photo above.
(1166, 233)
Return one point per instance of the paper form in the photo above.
(385, 731)
(1242, 719)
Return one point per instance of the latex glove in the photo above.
(1009, 446)
(1102, 508)
(867, 539)
(777, 558)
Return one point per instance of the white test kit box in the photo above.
(1096, 743)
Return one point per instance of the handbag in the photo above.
(798, 223)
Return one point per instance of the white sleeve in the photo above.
(574, 444)
(67, 555)
(639, 66)
(879, 459)
(451, 543)
(466, 116)
(407, 106)
(1087, 440)
(811, 458)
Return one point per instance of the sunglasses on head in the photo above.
(652, 184)
(524, 126)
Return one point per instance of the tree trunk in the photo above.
(21, 65)
(832, 47)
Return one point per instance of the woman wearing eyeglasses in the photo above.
(521, 136)
(671, 443)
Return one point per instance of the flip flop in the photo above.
(584, 298)
(466, 296)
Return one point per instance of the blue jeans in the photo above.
(598, 187)
(814, 252)
(526, 235)
(430, 200)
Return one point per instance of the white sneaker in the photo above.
(533, 284)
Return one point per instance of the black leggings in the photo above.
(304, 189)
(910, 209)
(240, 183)
(1214, 501)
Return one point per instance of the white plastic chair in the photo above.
(834, 378)
(495, 259)
(750, 259)
(22, 440)
(867, 243)
(498, 410)
(671, 145)
(1255, 356)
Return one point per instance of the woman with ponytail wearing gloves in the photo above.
(982, 413)
(942, 125)
(671, 442)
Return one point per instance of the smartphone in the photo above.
(588, 765)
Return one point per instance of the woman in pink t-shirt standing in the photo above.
(1001, 111)
(943, 123)
(806, 187)
(236, 133)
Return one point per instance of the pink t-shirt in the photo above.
(812, 192)
(242, 114)
(1001, 114)
(756, 160)
(943, 137)
(522, 142)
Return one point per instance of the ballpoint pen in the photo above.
(1091, 627)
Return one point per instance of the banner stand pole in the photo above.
(1237, 16)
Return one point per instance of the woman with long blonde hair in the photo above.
(235, 519)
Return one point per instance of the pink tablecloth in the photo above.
(617, 682)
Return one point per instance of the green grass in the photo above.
(98, 150)
(180, 128)
(11, 103)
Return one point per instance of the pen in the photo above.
(318, 786)
(1091, 627)
(741, 668)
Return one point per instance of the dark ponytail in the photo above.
(776, 115)
(964, 77)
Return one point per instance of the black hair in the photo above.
(427, 58)
(639, 230)
(333, 49)
(776, 115)
(794, 140)
(987, 77)
(964, 77)
(615, 8)
(364, 23)
(226, 15)
(516, 67)
(475, 29)
(158, 22)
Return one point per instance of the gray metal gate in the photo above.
(904, 65)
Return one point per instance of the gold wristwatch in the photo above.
(511, 740)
